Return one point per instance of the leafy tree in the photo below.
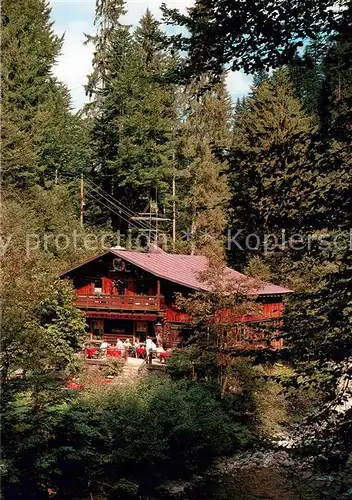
(117, 442)
(250, 36)
(320, 319)
(61, 323)
(39, 322)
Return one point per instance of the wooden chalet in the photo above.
(127, 293)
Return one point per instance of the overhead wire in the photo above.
(91, 196)
(113, 200)
(116, 204)
(118, 212)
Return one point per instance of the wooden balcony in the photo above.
(120, 302)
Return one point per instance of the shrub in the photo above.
(76, 368)
(113, 367)
(103, 440)
(193, 362)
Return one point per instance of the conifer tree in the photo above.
(307, 76)
(111, 36)
(206, 134)
(135, 119)
(271, 170)
(145, 156)
(29, 49)
(39, 134)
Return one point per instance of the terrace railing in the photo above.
(119, 302)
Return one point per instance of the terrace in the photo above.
(120, 302)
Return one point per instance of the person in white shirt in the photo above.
(135, 347)
(159, 349)
(149, 344)
(150, 347)
(103, 347)
(120, 345)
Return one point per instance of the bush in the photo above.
(193, 362)
(103, 440)
(113, 368)
(76, 368)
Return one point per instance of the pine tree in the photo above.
(110, 31)
(307, 76)
(206, 134)
(271, 167)
(134, 126)
(39, 134)
(145, 155)
(29, 48)
(260, 77)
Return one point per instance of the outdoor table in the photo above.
(74, 385)
(90, 351)
(114, 353)
(141, 351)
(165, 355)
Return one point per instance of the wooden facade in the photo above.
(120, 299)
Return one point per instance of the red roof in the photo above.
(185, 270)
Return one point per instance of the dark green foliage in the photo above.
(318, 327)
(29, 49)
(134, 115)
(39, 134)
(100, 441)
(308, 77)
(41, 330)
(114, 367)
(271, 169)
(63, 324)
(289, 167)
(202, 185)
(195, 363)
(250, 36)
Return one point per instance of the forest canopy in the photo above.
(261, 183)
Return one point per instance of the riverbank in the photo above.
(261, 474)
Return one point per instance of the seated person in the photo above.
(136, 344)
(103, 347)
(148, 344)
(120, 345)
(159, 339)
(150, 347)
(160, 349)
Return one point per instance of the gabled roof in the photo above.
(184, 270)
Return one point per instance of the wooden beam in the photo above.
(158, 293)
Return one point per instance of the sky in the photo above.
(73, 18)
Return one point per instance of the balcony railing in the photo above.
(122, 302)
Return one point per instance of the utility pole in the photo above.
(156, 215)
(56, 175)
(173, 202)
(173, 211)
(82, 199)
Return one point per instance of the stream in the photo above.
(262, 476)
